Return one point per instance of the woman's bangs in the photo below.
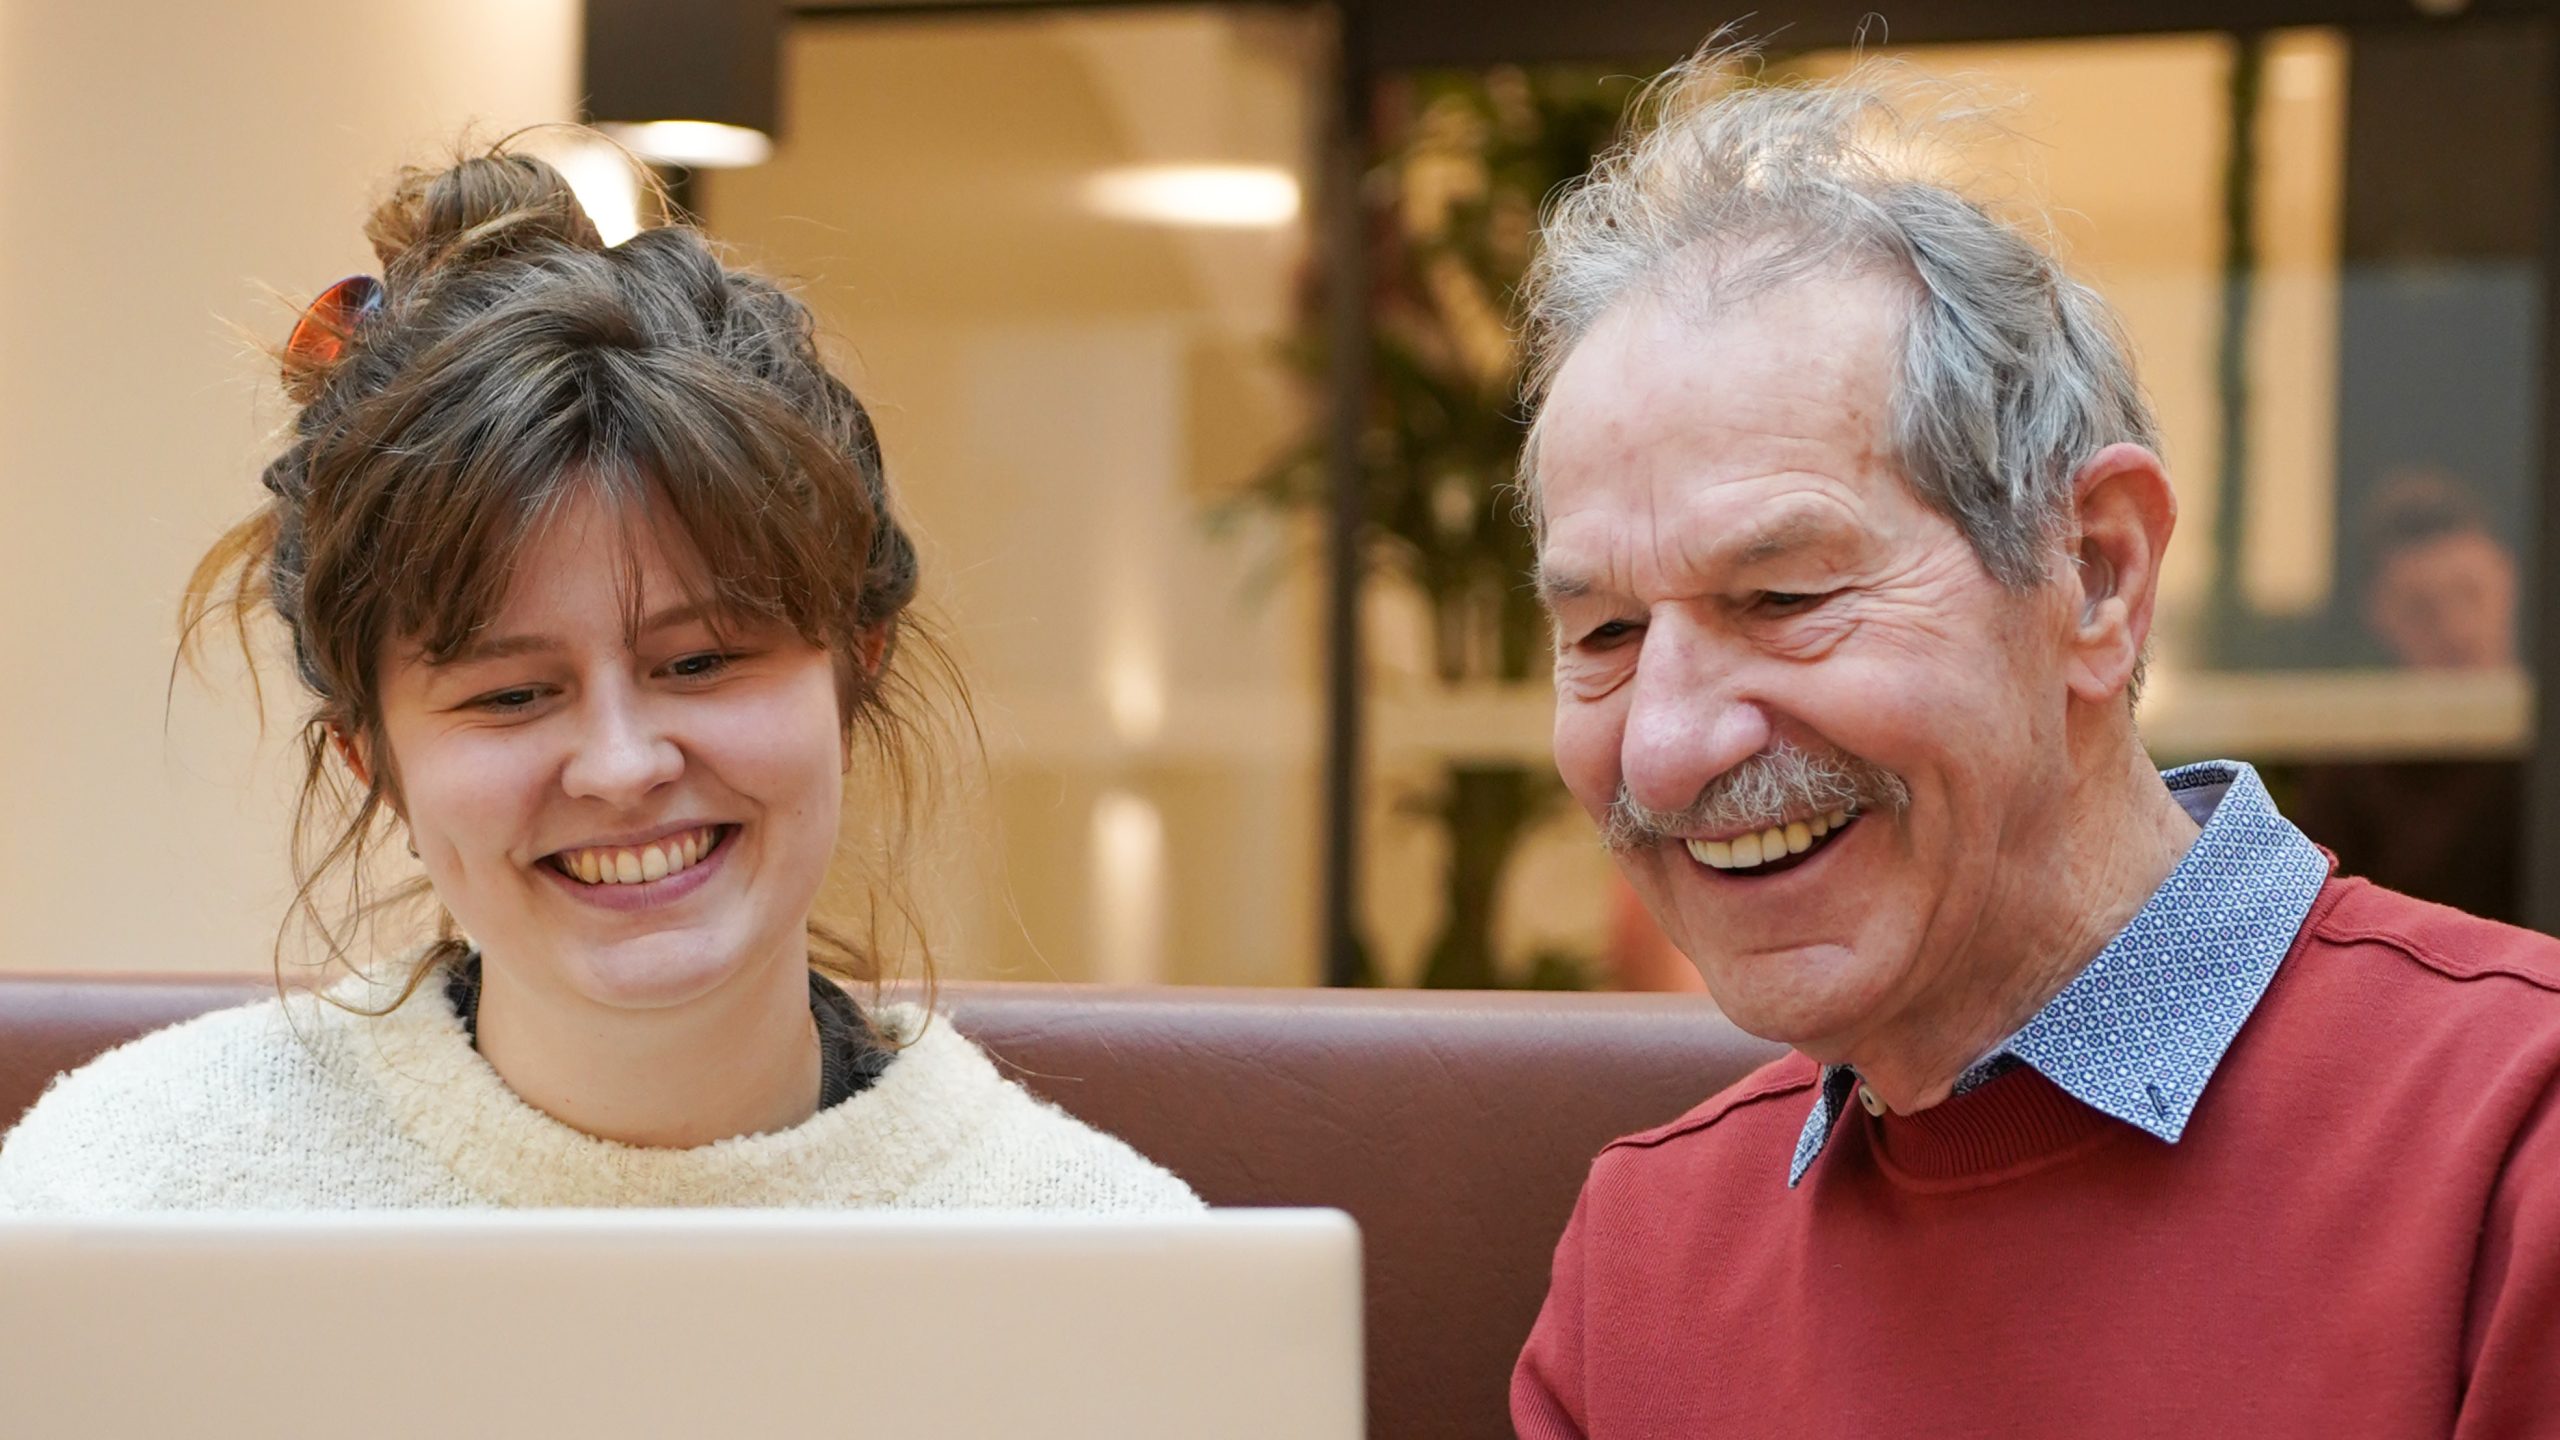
(444, 592)
(717, 495)
(708, 491)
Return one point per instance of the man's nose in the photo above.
(621, 752)
(1687, 721)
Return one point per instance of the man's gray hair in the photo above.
(2012, 374)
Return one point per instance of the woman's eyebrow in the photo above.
(498, 647)
(675, 615)
(509, 647)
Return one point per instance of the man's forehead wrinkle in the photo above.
(1670, 444)
(1584, 554)
(1779, 373)
(1710, 543)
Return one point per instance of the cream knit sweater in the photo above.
(298, 1104)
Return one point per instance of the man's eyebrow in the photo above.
(1797, 530)
(509, 647)
(1786, 535)
(1555, 586)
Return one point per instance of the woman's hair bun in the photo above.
(484, 207)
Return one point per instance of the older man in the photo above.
(2115, 1113)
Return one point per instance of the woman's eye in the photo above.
(506, 701)
(697, 667)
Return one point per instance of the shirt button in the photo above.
(1867, 1097)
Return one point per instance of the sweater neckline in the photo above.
(849, 1058)
(442, 1095)
(2013, 1124)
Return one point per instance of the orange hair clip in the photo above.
(320, 337)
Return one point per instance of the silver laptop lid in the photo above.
(637, 1325)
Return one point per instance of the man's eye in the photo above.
(698, 667)
(1609, 634)
(505, 701)
(1786, 602)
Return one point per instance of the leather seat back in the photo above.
(1455, 1127)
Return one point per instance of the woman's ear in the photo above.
(870, 656)
(352, 750)
(352, 753)
(871, 650)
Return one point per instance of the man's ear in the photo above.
(2125, 510)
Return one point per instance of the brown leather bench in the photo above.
(1455, 1127)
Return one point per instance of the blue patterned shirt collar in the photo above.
(2139, 1032)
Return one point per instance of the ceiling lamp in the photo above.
(693, 83)
(1224, 197)
(700, 144)
(607, 185)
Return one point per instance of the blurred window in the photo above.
(1067, 258)
(2325, 248)
(1060, 256)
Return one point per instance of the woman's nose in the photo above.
(620, 754)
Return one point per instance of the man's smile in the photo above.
(1773, 848)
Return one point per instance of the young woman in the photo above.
(589, 564)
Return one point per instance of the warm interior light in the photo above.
(606, 185)
(1128, 881)
(699, 144)
(2301, 75)
(1133, 693)
(1239, 197)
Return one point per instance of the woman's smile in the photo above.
(646, 876)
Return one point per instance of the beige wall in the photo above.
(159, 165)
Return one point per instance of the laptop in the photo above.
(636, 1325)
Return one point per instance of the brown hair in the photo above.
(516, 364)
(2412, 507)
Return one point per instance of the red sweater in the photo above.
(2357, 1235)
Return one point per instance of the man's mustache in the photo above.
(1783, 782)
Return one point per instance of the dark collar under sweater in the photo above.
(848, 1059)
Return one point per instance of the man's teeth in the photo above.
(655, 861)
(1743, 852)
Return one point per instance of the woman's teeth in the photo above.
(1746, 852)
(654, 861)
